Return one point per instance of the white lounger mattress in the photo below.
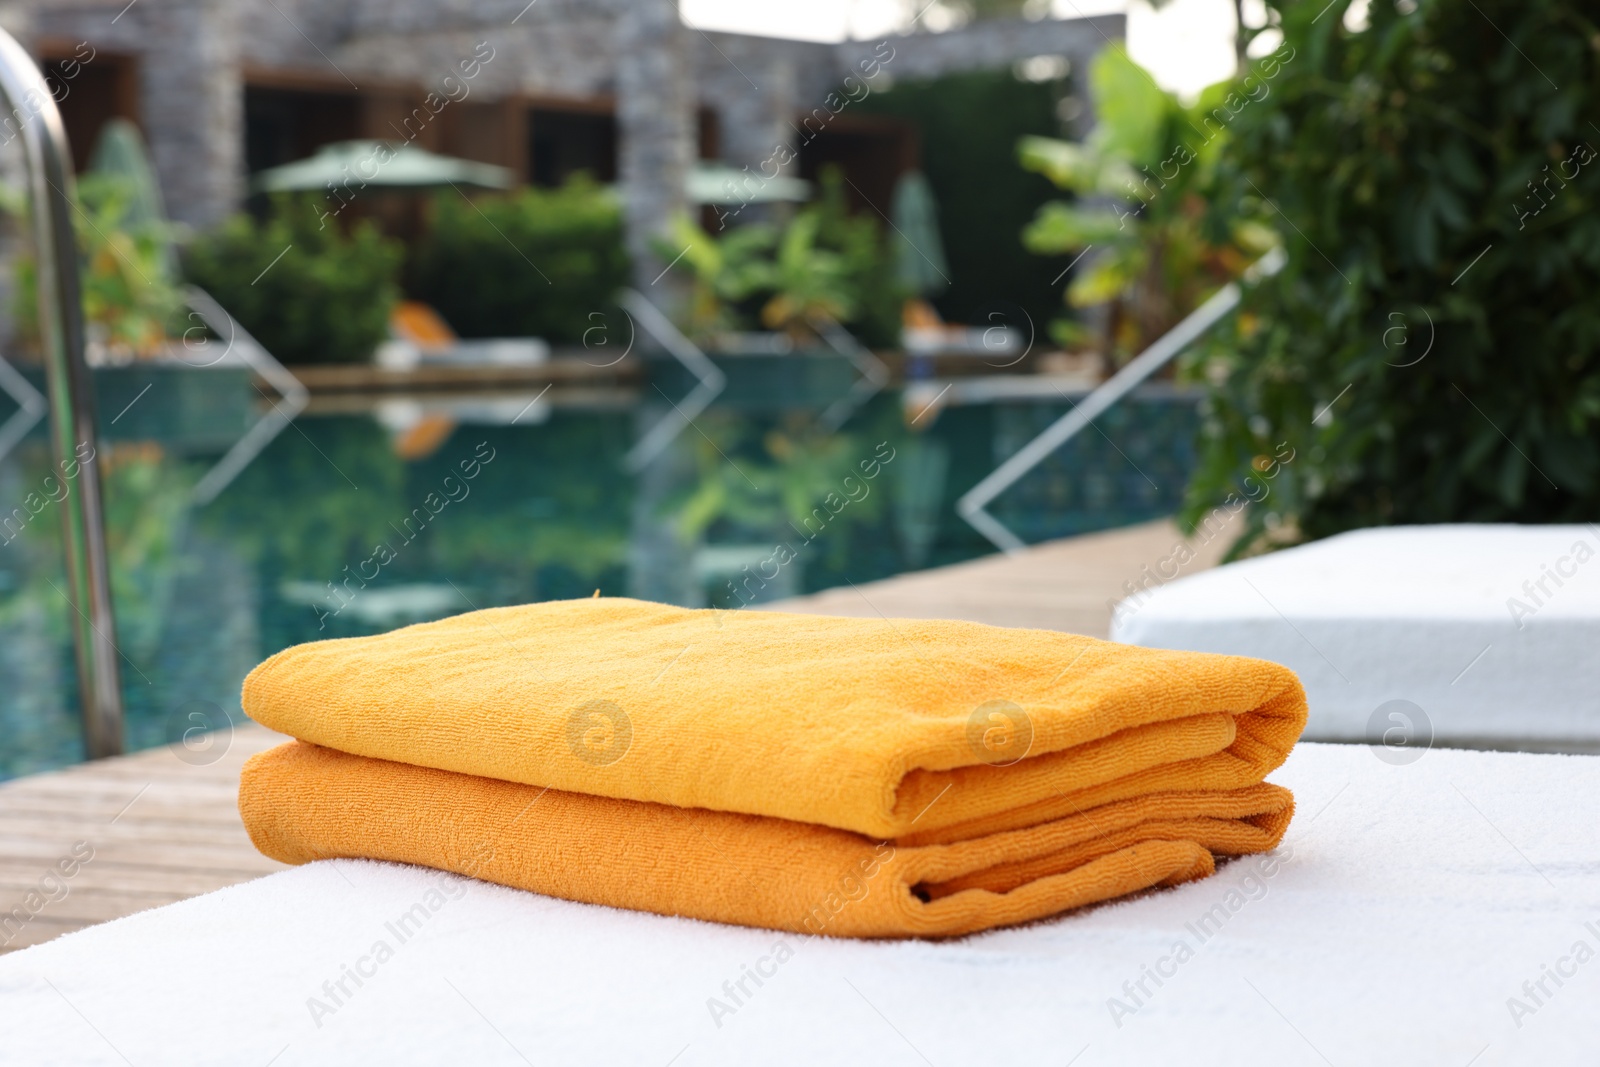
(1487, 632)
(1399, 924)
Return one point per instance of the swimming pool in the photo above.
(366, 514)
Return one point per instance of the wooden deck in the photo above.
(154, 829)
(1059, 585)
(158, 829)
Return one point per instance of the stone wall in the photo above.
(190, 90)
(991, 45)
(193, 111)
(195, 55)
(655, 125)
(755, 84)
(572, 59)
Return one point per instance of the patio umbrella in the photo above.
(382, 164)
(920, 265)
(120, 152)
(718, 183)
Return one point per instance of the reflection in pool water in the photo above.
(396, 512)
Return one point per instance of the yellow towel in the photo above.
(302, 802)
(907, 730)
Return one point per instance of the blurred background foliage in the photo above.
(326, 300)
(968, 125)
(1152, 250)
(1429, 353)
(531, 263)
(130, 294)
(1432, 351)
(823, 264)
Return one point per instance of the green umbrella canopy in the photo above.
(382, 164)
(718, 183)
(920, 265)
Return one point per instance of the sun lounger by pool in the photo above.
(1486, 633)
(1441, 912)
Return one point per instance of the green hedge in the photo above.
(534, 263)
(968, 125)
(1432, 351)
(326, 299)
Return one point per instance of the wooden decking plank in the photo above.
(1065, 585)
(162, 830)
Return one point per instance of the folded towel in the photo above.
(907, 730)
(302, 802)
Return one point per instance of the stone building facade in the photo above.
(220, 87)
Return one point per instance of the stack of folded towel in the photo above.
(849, 777)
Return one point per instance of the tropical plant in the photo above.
(533, 263)
(799, 284)
(129, 295)
(808, 283)
(717, 268)
(825, 265)
(302, 287)
(1431, 353)
(1141, 179)
(875, 288)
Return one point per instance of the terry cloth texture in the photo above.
(907, 730)
(302, 802)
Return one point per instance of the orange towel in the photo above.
(908, 730)
(302, 802)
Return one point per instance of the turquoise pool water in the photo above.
(363, 516)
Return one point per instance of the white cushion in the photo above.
(1398, 925)
(1492, 631)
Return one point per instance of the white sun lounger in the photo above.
(1440, 912)
(1488, 633)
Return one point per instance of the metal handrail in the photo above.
(874, 375)
(31, 110)
(974, 502)
(711, 381)
(242, 348)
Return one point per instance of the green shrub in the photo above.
(968, 125)
(129, 299)
(534, 263)
(1432, 351)
(327, 300)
